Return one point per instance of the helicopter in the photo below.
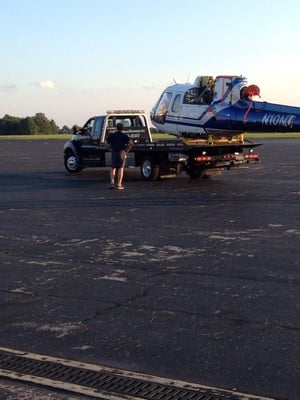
(221, 107)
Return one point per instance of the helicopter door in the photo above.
(176, 105)
(192, 109)
(174, 111)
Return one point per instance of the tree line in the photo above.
(36, 125)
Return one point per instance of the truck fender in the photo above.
(150, 170)
(71, 158)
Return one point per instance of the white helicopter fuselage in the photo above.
(188, 108)
(220, 107)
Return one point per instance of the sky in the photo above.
(72, 59)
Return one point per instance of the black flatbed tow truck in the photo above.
(156, 158)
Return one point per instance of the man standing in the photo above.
(120, 144)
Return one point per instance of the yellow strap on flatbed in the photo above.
(210, 140)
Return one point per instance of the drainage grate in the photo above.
(103, 382)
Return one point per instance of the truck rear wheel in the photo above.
(196, 173)
(149, 171)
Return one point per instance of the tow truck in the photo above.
(157, 158)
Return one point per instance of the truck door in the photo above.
(91, 151)
(97, 132)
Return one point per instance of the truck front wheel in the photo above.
(149, 171)
(71, 163)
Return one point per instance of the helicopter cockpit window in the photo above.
(162, 108)
(176, 103)
(198, 96)
(192, 96)
(202, 95)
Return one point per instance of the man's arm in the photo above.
(129, 146)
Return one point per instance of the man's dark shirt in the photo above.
(118, 141)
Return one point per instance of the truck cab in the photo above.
(87, 146)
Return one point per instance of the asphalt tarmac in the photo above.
(196, 280)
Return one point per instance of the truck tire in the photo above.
(197, 173)
(149, 171)
(71, 163)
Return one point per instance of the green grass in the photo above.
(36, 137)
(266, 135)
(295, 135)
(290, 135)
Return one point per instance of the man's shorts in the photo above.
(117, 159)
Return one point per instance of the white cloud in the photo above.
(8, 88)
(46, 84)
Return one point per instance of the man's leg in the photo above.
(112, 176)
(120, 176)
